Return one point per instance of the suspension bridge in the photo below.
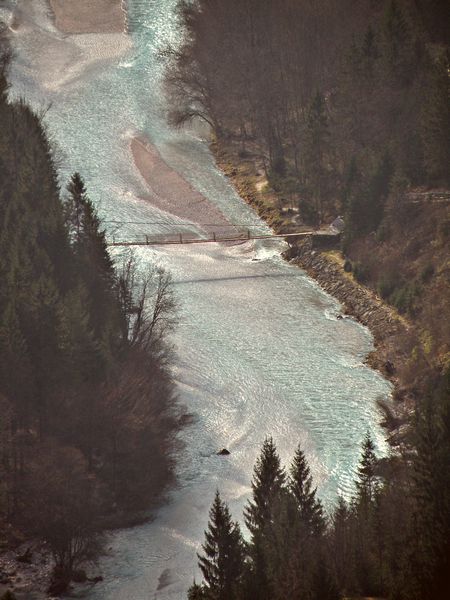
(221, 234)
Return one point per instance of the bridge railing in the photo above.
(180, 238)
(221, 236)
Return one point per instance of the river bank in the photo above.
(326, 267)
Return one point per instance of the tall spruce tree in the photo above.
(222, 561)
(95, 267)
(197, 592)
(365, 507)
(301, 487)
(398, 44)
(377, 192)
(267, 483)
(343, 547)
(430, 558)
(366, 482)
(316, 147)
(324, 584)
(260, 514)
(16, 373)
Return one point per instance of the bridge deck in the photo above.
(180, 238)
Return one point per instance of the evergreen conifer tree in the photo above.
(343, 547)
(222, 561)
(268, 481)
(398, 45)
(430, 561)
(365, 514)
(81, 360)
(324, 585)
(366, 483)
(16, 374)
(316, 146)
(260, 514)
(197, 592)
(95, 266)
(369, 50)
(301, 487)
(377, 192)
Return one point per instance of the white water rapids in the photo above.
(259, 350)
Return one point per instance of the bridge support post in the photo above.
(146, 239)
(181, 238)
(248, 234)
(214, 235)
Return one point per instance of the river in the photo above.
(259, 348)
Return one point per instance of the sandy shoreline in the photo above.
(170, 192)
(89, 16)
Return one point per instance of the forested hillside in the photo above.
(87, 406)
(345, 107)
(325, 89)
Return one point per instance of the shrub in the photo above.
(386, 285)
(427, 273)
(308, 212)
(382, 233)
(444, 230)
(348, 267)
(403, 297)
(361, 272)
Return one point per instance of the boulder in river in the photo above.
(224, 452)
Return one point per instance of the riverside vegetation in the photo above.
(345, 106)
(87, 403)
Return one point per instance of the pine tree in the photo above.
(369, 46)
(316, 146)
(260, 515)
(95, 266)
(222, 561)
(430, 561)
(366, 483)
(398, 45)
(81, 360)
(369, 55)
(324, 585)
(88, 238)
(365, 514)
(268, 480)
(16, 375)
(197, 592)
(74, 207)
(377, 192)
(301, 487)
(343, 546)
(395, 31)
(351, 177)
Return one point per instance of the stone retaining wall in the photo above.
(358, 301)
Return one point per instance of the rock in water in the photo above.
(224, 452)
